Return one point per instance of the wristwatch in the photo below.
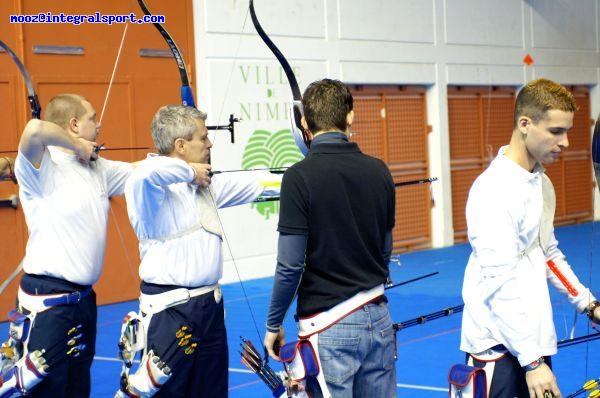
(590, 309)
(534, 365)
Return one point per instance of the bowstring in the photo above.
(213, 199)
(104, 106)
(237, 271)
(114, 71)
(241, 36)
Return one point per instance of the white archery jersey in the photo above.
(165, 210)
(66, 207)
(505, 286)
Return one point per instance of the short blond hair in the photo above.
(63, 107)
(539, 96)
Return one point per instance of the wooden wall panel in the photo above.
(462, 178)
(8, 114)
(413, 208)
(368, 125)
(13, 232)
(481, 121)
(465, 123)
(497, 120)
(577, 189)
(556, 172)
(391, 124)
(407, 128)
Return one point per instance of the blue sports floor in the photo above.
(425, 352)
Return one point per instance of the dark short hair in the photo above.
(326, 104)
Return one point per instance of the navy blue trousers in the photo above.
(203, 371)
(68, 376)
(508, 379)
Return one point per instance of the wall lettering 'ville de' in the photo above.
(271, 81)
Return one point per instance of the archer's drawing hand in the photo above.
(201, 174)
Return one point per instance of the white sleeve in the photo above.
(232, 189)
(30, 178)
(117, 174)
(145, 188)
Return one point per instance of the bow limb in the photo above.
(300, 134)
(187, 96)
(34, 103)
(596, 150)
(36, 110)
(596, 164)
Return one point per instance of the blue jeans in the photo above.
(357, 355)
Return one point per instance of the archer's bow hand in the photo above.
(593, 311)
(541, 380)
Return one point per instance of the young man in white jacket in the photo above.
(507, 325)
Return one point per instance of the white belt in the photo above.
(155, 303)
(163, 239)
(42, 302)
(323, 320)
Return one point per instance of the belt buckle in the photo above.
(77, 295)
(181, 299)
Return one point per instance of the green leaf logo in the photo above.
(270, 150)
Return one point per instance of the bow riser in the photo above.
(187, 96)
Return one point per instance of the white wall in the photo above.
(427, 42)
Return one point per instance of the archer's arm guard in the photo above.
(271, 184)
(147, 380)
(23, 376)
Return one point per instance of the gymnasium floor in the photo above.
(425, 352)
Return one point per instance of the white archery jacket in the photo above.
(510, 214)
